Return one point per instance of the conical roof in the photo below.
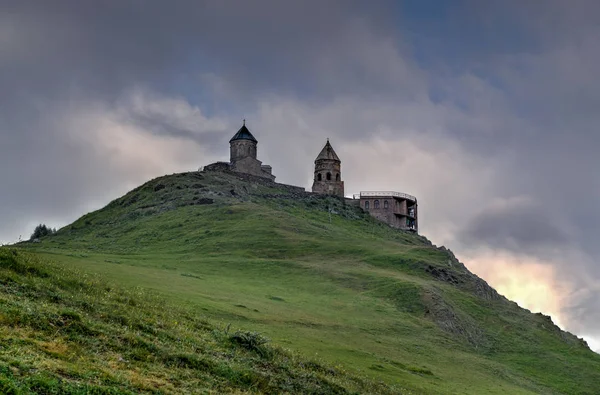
(328, 153)
(243, 134)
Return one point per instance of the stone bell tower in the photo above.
(328, 173)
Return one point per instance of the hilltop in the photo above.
(317, 276)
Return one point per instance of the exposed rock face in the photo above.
(452, 321)
(475, 284)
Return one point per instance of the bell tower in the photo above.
(328, 173)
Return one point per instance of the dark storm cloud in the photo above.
(515, 226)
(96, 97)
(105, 46)
(172, 118)
(60, 59)
(211, 139)
(544, 114)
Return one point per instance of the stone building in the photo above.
(399, 210)
(242, 156)
(328, 173)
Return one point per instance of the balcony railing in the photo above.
(385, 193)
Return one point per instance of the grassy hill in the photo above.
(68, 332)
(312, 273)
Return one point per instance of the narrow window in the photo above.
(367, 205)
(337, 177)
(376, 204)
(328, 176)
(319, 177)
(385, 204)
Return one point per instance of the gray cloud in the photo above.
(498, 101)
(518, 225)
(61, 60)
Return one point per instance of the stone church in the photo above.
(243, 148)
(399, 210)
(242, 153)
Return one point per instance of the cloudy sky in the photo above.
(487, 111)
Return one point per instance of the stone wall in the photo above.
(381, 212)
(255, 179)
(269, 183)
(240, 149)
(324, 169)
(352, 202)
(267, 169)
(247, 165)
(217, 166)
(329, 187)
(251, 166)
(324, 166)
(376, 207)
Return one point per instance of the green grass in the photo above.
(321, 278)
(64, 331)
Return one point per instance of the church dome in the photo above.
(243, 134)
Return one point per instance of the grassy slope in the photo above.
(65, 332)
(340, 287)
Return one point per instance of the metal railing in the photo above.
(385, 193)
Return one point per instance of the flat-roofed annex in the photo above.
(400, 195)
(397, 209)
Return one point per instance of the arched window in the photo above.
(319, 177)
(376, 204)
(385, 204)
(328, 176)
(337, 177)
(367, 205)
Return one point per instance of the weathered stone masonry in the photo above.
(399, 210)
(242, 156)
(328, 173)
(242, 149)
